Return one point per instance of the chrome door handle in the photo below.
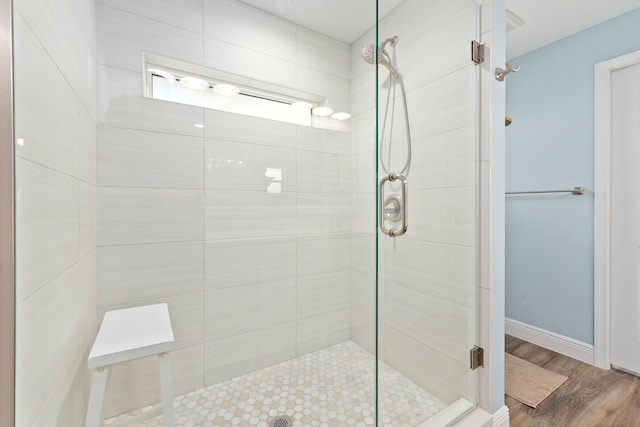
(405, 212)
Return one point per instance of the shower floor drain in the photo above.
(280, 421)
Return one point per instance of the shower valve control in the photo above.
(393, 208)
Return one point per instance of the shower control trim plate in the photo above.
(403, 202)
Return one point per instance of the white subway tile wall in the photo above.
(186, 14)
(122, 35)
(56, 259)
(243, 226)
(148, 159)
(239, 166)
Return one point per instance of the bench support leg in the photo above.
(98, 386)
(167, 390)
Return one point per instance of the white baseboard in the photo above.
(501, 417)
(481, 418)
(550, 340)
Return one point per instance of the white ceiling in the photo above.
(546, 21)
(345, 20)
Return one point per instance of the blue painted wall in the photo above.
(549, 239)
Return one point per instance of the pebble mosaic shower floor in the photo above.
(331, 387)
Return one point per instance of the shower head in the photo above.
(369, 51)
(369, 55)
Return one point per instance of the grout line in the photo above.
(460, 364)
(110, 125)
(55, 277)
(55, 64)
(58, 171)
(107, 126)
(101, 3)
(176, 242)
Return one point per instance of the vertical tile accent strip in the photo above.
(7, 220)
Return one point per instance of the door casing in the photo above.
(602, 207)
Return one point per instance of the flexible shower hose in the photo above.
(405, 169)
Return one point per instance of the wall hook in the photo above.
(501, 74)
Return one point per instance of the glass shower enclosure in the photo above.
(298, 181)
(426, 159)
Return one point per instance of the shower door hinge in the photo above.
(477, 52)
(477, 357)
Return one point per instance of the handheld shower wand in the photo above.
(380, 56)
(392, 208)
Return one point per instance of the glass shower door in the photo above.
(427, 212)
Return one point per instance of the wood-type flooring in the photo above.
(591, 397)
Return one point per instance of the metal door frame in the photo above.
(7, 219)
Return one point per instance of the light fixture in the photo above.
(341, 116)
(162, 73)
(226, 89)
(302, 105)
(199, 125)
(194, 83)
(322, 111)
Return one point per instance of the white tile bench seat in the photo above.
(128, 334)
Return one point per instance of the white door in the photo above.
(625, 219)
